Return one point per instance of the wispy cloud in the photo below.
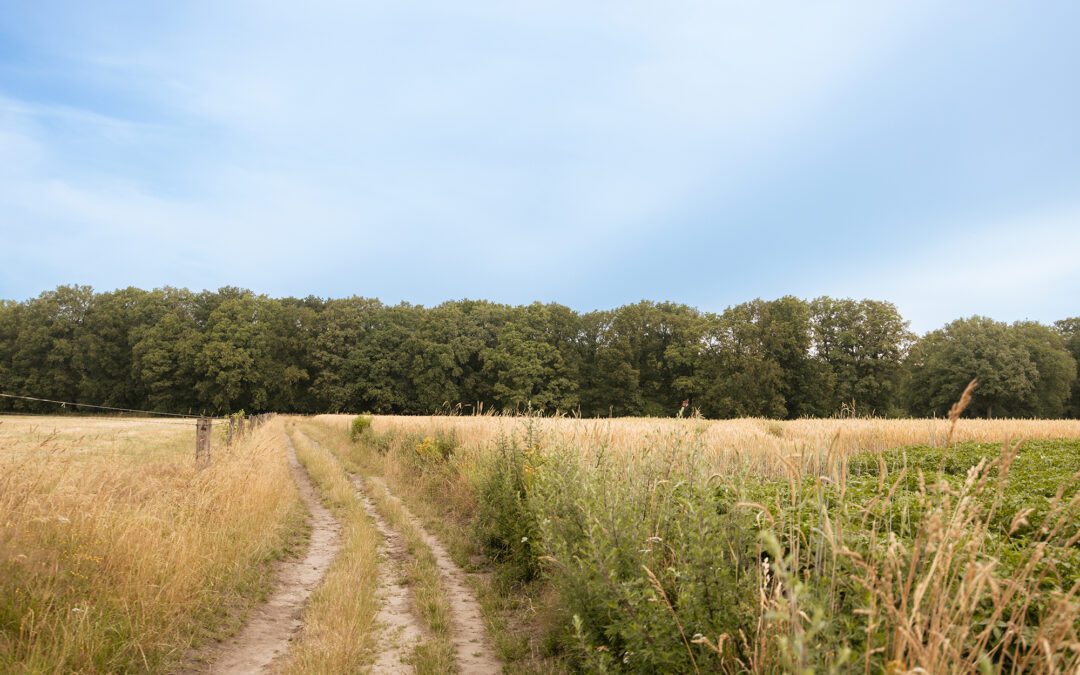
(591, 154)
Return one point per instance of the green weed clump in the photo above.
(644, 562)
(361, 426)
(505, 522)
(427, 454)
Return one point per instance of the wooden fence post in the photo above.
(229, 426)
(202, 440)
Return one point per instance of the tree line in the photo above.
(175, 350)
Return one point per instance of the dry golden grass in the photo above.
(339, 622)
(760, 444)
(117, 553)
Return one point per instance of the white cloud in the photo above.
(1023, 267)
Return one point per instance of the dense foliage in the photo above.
(176, 350)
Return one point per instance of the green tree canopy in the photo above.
(1023, 369)
(174, 350)
(1070, 333)
(863, 344)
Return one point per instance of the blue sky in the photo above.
(593, 154)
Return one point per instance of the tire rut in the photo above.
(473, 651)
(397, 618)
(265, 638)
(472, 646)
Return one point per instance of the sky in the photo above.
(592, 154)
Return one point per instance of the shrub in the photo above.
(436, 448)
(361, 425)
(630, 551)
(381, 443)
(505, 525)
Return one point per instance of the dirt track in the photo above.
(473, 651)
(266, 636)
(397, 618)
(475, 654)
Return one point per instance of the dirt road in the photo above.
(266, 636)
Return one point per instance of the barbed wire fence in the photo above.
(238, 424)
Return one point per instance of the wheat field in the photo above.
(758, 443)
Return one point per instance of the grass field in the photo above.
(117, 553)
(626, 545)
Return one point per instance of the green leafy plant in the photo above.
(361, 426)
(432, 449)
(505, 523)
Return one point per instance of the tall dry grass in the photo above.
(746, 443)
(117, 553)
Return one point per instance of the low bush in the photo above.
(435, 448)
(504, 521)
(361, 426)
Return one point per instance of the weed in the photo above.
(361, 425)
